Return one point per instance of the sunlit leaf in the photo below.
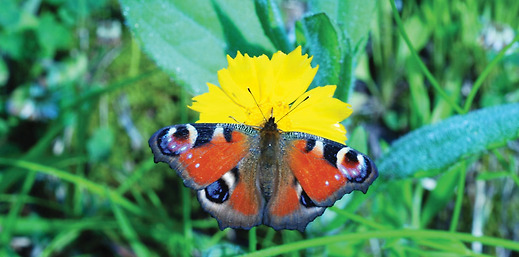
(191, 39)
(438, 146)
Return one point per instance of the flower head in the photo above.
(278, 86)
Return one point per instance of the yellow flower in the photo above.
(279, 86)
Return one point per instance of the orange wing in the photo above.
(216, 160)
(200, 153)
(326, 169)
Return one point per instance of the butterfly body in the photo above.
(245, 176)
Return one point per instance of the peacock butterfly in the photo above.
(246, 176)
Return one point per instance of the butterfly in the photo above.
(246, 176)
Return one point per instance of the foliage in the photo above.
(434, 86)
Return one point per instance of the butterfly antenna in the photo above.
(292, 109)
(256, 102)
(236, 120)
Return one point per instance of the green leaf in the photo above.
(323, 44)
(273, 25)
(352, 17)
(439, 146)
(191, 39)
(52, 35)
(351, 20)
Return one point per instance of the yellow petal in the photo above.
(216, 107)
(293, 74)
(320, 114)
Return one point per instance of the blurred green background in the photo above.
(84, 84)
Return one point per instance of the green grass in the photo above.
(436, 110)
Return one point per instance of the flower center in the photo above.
(257, 116)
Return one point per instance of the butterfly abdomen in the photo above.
(270, 151)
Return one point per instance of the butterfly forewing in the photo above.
(326, 169)
(200, 152)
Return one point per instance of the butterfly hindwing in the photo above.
(215, 159)
(234, 200)
(326, 169)
(289, 207)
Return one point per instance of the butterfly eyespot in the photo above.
(351, 157)
(306, 201)
(175, 140)
(217, 192)
(169, 145)
(181, 132)
(365, 172)
(353, 165)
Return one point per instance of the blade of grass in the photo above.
(80, 181)
(253, 241)
(36, 225)
(359, 219)
(447, 246)
(95, 93)
(416, 207)
(511, 165)
(127, 229)
(186, 217)
(74, 197)
(155, 200)
(459, 197)
(420, 63)
(387, 234)
(13, 175)
(33, 200)
(60, 241)
(484, 74)
(137, 174)
(217, 237)
(12, 216)
(413, 251)
(490, 175)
